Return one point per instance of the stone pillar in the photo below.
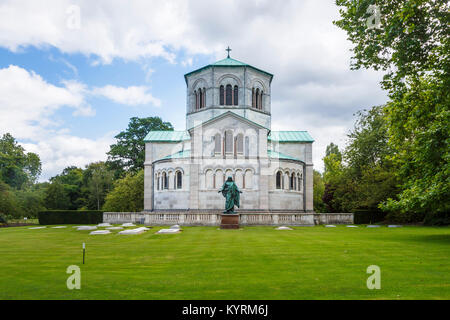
(148, 178)
(309, 204)
(264, 170)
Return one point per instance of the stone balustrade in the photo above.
(213, 219)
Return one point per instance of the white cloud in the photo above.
(27, 102)
(313, 88)
(133, 95)
(27, 110)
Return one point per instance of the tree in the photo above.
(8, 201)
(16, 166)
(319, 188)
(412, 46)
(128, 154)
(420, 136)
(71, 182)
(410, 41)
(99, 180)
(56, 197)
(127, 195)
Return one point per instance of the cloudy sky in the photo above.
(72, 73)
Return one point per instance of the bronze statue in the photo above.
(231, 193)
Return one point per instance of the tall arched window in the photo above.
(179, 180)
(157, 182)
(300, 181)
(209, 183)
(261, 100)
(218, 179)
(236, 96)
(196, 100)
(204, 98)
(253, 97)
(200, 98)
(229, 141)
(165, 181)
(257, 99)
(248, 179)
(222, 95)
(217, 144)
(279, 180)
(293, 182)
(240, 144)
(228, 95)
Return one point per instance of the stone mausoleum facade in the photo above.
(228, 133)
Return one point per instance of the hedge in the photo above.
(70, 217)
(368, 216)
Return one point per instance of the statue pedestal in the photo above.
(229, 221)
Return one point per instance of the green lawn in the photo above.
(207, 263)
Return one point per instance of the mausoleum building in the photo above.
(228, 133)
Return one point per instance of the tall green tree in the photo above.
(99, 180)
(127, 195)
(17, 167)
(319, 188)
(69, 186)
(411, 44)
(57, 197)
(128, 154)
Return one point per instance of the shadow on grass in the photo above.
(432, 238)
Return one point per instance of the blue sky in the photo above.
(72, 73)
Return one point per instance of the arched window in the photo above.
(229, 141)
(260, 100)
(236, 96)
(228, 95)
(248, 179)
(239, 178)
(253, 97)
(209, 183)
(279, 180)
(217, 144)
(157, 183)
(300, 181)
(204, 98)
(240, 144)
(218, 179)
(222, 96)
(165, 181)
(200, 98)
(293, 182)
(247, 146)
(257, 99)
(179, 180)
(196, 100)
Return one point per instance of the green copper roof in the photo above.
(290, 136)
(167, 136)
(179, 155)
(279, 155)
(227, 62)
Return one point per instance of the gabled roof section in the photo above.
(167, 136)
(229, 113)
(227, 62)
(290, 136)
(278, 155)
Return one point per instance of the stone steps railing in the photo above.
(213, 219)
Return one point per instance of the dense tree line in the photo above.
(405, 169)
(114, 185)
